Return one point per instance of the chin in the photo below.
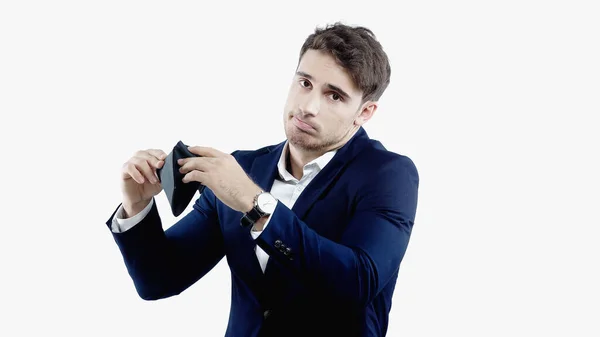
(305, 142)
(299, 139)
(302, 140)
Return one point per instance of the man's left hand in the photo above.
(221, 173)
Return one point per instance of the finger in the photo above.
(143, 166)
(130, 171)
(151, 158)
(206, 151)
(158, 153)
(190, 164)
(198, 176)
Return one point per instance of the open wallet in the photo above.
(178, 193)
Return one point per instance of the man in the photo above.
(314, 228)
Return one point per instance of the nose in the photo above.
(310, 104)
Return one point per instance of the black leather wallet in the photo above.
(178, 193)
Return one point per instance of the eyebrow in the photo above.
(328, 85)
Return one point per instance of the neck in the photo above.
(297, 159)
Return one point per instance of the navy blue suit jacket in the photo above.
(334, 257)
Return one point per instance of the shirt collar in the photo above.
(317, 164)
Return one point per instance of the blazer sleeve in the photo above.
(355, 269)
(164, 263)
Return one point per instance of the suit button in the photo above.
(266, 313)
(278, 243)
(287, 251)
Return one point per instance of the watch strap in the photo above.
(253, 215)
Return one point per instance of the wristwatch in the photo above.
(264, 205)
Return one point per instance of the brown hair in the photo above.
(357, 50)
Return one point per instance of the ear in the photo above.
(366, 112)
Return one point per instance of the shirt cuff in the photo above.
(120, 224)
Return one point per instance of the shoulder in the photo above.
(385, 180)
(377, 161)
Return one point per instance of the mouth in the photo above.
(302, 125)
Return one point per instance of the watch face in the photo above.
(266, 202)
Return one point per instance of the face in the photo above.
(324, 107)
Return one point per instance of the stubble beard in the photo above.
(312, 143)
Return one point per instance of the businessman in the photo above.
(314, 228)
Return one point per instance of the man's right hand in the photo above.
(139, 183)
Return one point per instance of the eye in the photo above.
(336, 97)
(304, 83)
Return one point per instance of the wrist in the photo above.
(250, 201)
(133, 209)
(260, 224)
(263, 206)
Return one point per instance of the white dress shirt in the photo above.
(286, 189)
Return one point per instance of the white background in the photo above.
(496, 103)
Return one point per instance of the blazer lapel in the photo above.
(264, 168)
(324, 179)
